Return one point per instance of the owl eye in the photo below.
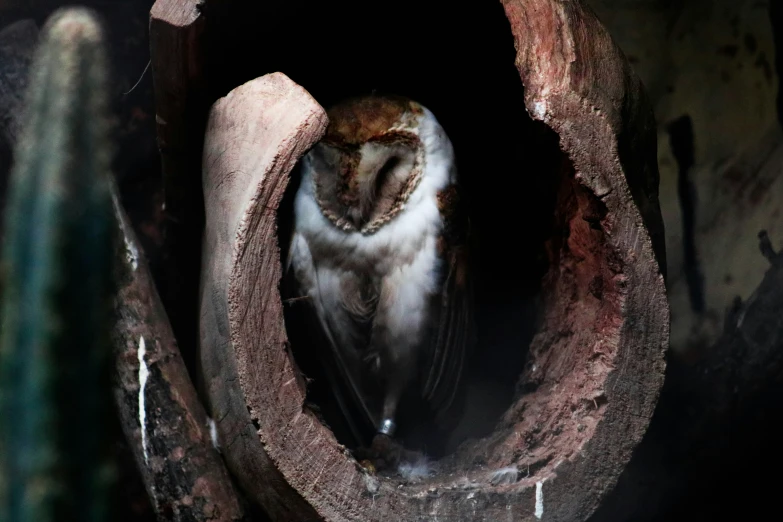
(384, 171)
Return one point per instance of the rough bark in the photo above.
(595, 366)
(162, 418)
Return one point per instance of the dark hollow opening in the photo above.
(457, 59)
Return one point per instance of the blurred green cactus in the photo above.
(58, 244)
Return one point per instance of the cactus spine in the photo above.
(55, 366)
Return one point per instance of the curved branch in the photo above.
(163, 420)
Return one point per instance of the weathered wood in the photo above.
(161, 416)
(176, 48)
(254, 137)
(595, 366)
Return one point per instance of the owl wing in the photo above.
(453, 332)
(319, 339)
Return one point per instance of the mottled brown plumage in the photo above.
(357, 121)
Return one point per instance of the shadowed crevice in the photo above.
(682, 144)
(776, 19)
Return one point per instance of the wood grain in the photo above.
(254, 137)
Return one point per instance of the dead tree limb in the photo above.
(163, 420)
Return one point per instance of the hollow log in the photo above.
(594, 367)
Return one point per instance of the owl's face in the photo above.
(369, 162)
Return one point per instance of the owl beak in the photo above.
(355, 217)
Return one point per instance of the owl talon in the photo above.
(386, 453)
(368, 466)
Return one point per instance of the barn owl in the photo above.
(379, 248)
